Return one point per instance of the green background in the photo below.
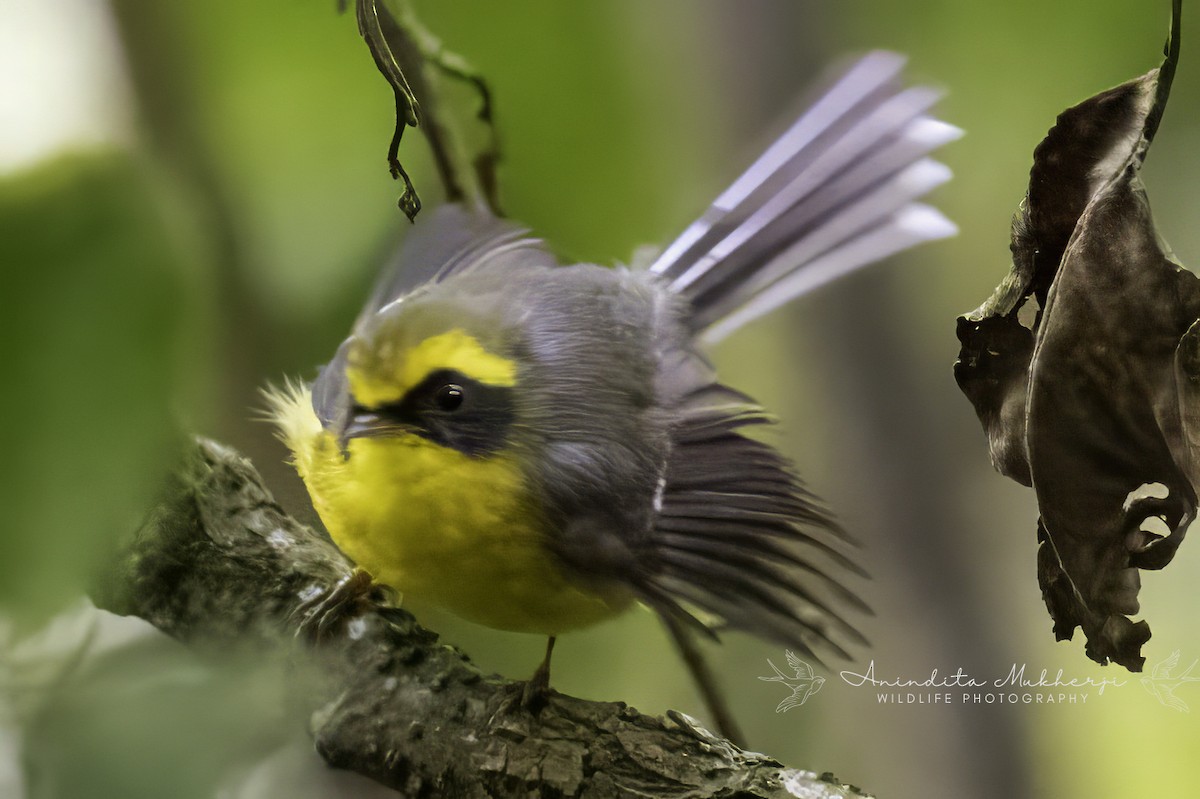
(153, 289)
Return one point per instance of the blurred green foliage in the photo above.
(93, 328)
(148, 719)
(153, 292)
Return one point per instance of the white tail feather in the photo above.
(865, 213)
(867, 76)
(908, 227)
(829, 196)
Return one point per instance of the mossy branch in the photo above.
(220, 565)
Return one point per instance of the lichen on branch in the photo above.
(218, 564)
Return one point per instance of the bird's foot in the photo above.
(521, 704)
(320, 616)
(530, 696)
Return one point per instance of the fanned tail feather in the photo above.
(736, 536)
(835, 193)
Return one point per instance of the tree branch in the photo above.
(219, 564)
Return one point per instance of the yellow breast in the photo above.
(440, 525)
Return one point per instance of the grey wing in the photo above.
(449, 240)
(835, 193)
(737, 536)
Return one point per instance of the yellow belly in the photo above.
(445, 527)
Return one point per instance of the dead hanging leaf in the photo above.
(401, 48)
(390, 44)
(1095, 401)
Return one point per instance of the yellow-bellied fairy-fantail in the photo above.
(537, 446)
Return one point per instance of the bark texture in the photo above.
(219, 565)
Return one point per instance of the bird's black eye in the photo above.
(449, 397)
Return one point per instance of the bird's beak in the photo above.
(360, 424)
(365, 423)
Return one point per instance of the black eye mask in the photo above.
(448, 408)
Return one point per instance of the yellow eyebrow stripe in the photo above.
(377, 378)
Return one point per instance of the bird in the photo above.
(537, 446)
(804, 682)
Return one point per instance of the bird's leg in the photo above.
(706, 683)
(533, 698)
(529, 697)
